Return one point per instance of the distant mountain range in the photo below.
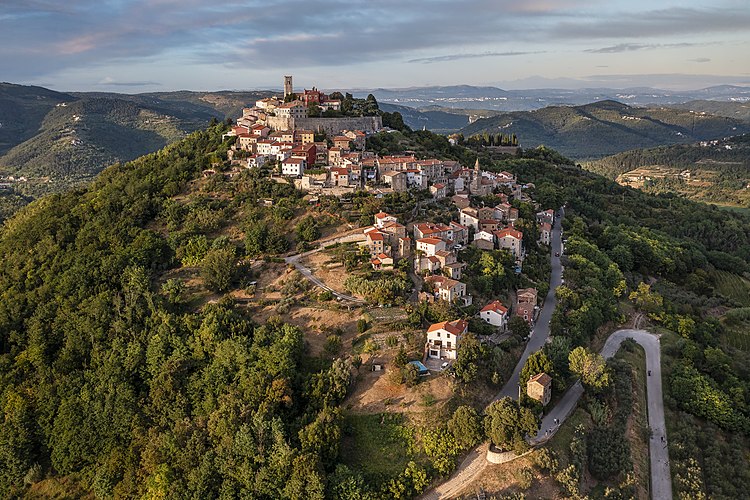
(470, 97)
(607, 127)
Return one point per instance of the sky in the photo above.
(161, 45)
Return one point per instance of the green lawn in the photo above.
(377, 445)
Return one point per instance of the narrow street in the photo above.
(540, 332)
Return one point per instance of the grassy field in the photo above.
(733, 286)
(378, 445)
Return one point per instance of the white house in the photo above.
(469, 217)
(495, 313)
(444, 338)
(293, 166)
(382, 218)
(430, 246)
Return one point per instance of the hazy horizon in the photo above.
(162, 45)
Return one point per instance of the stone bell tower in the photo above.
(288, 87)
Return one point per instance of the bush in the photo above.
(333, 344)
(391, 341)
(525, 478)
(609, 452)
(217, 269)
(361, 325)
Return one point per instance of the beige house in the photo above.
(539, 387)
(448, 289)
(397, 180)
(510, 239)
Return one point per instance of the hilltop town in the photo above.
(463, 209)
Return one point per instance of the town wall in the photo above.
(331, 126)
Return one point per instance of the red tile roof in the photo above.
(496, 306)
(456, 327)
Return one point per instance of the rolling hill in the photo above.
(607, 127)
(58, 139)
(712, 171)
(438, 121)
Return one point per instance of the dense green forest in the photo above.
(618, 241)
(111, 378)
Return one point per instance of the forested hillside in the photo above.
(130, 367)
(605, 128)
(61, 139)
(711, 171)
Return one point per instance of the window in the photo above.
(449, 345)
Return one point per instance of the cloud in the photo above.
(656, 23)
(41, 38)
(630, 47)
(456, 57)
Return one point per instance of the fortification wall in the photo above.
(331, 126)
(334, 126)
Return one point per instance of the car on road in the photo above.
(557, 254)
(444, 365)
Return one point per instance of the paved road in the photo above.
(540, 332)
(661, 477)
(476, 461)
(307, 273)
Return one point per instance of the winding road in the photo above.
(661, 480)
(540, 333)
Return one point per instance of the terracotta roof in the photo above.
(382, 215)
(430, 241)
(541, 378)
(456, 327)
(508, 231)
(375, 236)
(546, 226)
(496, 306)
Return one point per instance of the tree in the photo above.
(466, 426)
(590, 367)
(646, 300)
(507, 423)
(307, 229)
(217, 269)
(469, 356)
(518, 326)
(537, 362)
